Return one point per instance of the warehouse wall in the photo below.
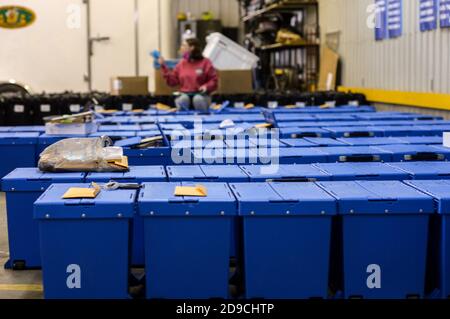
(416, 61)
(51, 54)
(225, 10)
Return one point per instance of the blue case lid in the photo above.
(114, 128)
(149, 127)
(116, 204)
(378, 197)
(334, 117)
(19, 138)
(438, 189)
(355, 131)
(206, 172)
(417, 152)
(305, 172)
(39, 129)
(226, 156)
(185, 171)
(157, 199)
(191, 144)
(426, 140)
(361, 170)
(370, 141)
(418, 169)
(138, 173)
(293, 117)
(148, 133)
(353, 151)
(297, 142)
(283, 199)
(128, 142)
(299, 132)
(170, 127)
(115, 134)
(325, 141)
(143, 120)
(32, 179)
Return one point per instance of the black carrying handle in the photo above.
(302, 135)
(359, 158)
(291, 180)
(425, 157)
(359, 134)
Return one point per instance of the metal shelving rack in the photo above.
(305, 57)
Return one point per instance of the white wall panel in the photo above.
(416, 61)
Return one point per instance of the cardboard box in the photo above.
(235, 82)
(328, 70)
(230, 82)
(161, 87)
(129, 85)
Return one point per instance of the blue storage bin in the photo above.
(440, 191)
(294, 117)
(301, 132)
(297, 142)
(334, 117)
(425, 140)
(136, 174)
(285, 172)
(36, 128)
(149, 127)
(355, 154)
(143, 120)
(229, 156)
(294, 155)
(116, 135)
(411, 130)
(407, 153)
(424, 170)
(355, 131)
(85, 243)
(371, 141)
(325, 141)
(146, 134)
(23, 186)
(160, 155)
(19, 150)
(119, 128)
(362, 171)
(206, 173)
(196, 232)
(5, 129)
(385, 237)
(287, 238)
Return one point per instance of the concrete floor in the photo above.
(15, 284)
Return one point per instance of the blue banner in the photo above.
(380, 20)
(445, 14)
(428, 15)
(394, 18)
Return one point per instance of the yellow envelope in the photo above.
(108, 111)
(162, 107)
(123, 162)
(138, 111)
(77, 192)
(197, 191)
(264, 125)
(249, 106)
(291, 106)
(216, 106)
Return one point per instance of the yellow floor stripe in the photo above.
(418, 99)
(18, 287)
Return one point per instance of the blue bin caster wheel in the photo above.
(19, 265)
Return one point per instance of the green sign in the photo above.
(15, 17)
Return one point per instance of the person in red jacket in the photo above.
(194, 74)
